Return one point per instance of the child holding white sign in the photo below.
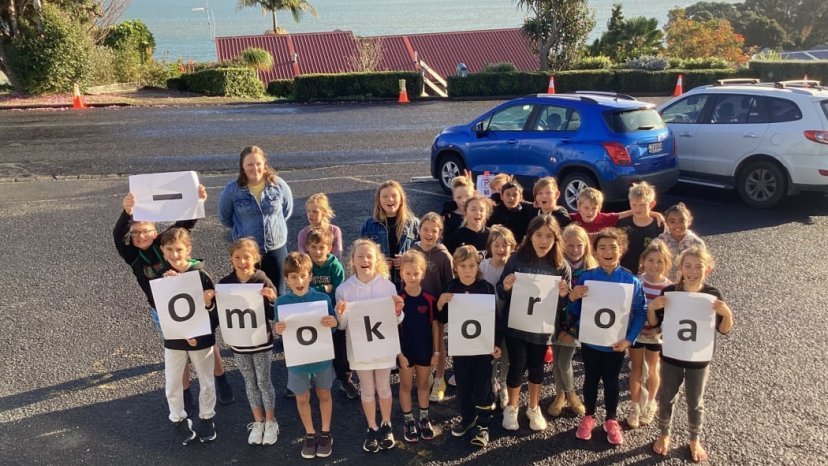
(540, 253)
(254, 363)
(655, 262)
(176, 247)
(473, 373)
(369, 280)
(693, 264)
(438, 274)
(578, 254)
(603, 363)
(419, 338)
(297, 270)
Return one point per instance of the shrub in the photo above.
(156, 74)
(675, 63)
(52, 58)
(789, 69)
(708, 63)
(132, 35)
(257, 59)
(280, 88)
(101, 67)
(502, 67)
(647, 62)
(356, 85)
(177, 84)
(229, 82)
(601, 62)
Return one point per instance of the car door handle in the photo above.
(750, 135)
(685, 135)
(511, 141)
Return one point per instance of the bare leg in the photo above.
(422, 387)
(662, 445)
(440, 369)
(370, 410)
(653, 379)
(514, 396)
(259, 416)
(697, 452)
(534, 395)
(325, 408)
(406, 381)
(303, 405)
(637, 360)
(270, 416)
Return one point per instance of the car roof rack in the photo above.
(614, 95)
(735, 81)
(799, 83)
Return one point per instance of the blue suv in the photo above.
(587, 139)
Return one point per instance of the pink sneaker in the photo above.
(584, 431)
(613, 430)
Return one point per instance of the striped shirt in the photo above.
(653, 290)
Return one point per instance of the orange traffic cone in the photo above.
(551, 88)
(77, 100)
(679, 89)
(403, 93)
(548, 358)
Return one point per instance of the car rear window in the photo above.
(783, 110)
(824, 105)
(633, 120)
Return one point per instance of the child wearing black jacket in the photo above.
(473, 373)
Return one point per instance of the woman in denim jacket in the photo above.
(258, 204)
(393, 226)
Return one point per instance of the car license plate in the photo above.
(655, 147)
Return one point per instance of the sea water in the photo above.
(181, 32)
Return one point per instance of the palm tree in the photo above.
(296, 8)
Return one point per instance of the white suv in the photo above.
(765, 139)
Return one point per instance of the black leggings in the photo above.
(606, 366)
(522, 356)
(273, 266)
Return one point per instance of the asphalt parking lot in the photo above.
(83, 368)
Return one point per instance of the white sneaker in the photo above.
(648, 413)
(438, 389)
(256, 432)
(633, 415)
(271, 433)
(536, 419)
(510, 418)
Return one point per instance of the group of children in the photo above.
(476, 246)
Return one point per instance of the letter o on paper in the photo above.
(599, 317)
(190, 307)
(300, 335)
(464, 329)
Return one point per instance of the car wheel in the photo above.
(572, 185)
(449, 168)
(762, 184)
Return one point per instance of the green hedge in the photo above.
(626, 81)
(280, 88)
(782, 70)
(356, 85)
(228, 82)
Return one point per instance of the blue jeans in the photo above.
(155, 322)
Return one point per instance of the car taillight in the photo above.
(618, 153)
(817, 136)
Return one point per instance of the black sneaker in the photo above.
(481, 437)
(206, 430)
(386, 437)
(462, 427)
(309, 446)
(188, 402)
(184, 431)
(350, 388)
(324, 445)
(224, 392)
(426, 430)
(371, 444)
(410, 432)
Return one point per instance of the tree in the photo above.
(758, 30)
(296, 8)
(688, 38)
(557, 29)
(628, 38)
(806, 21)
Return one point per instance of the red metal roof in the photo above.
(331, 52)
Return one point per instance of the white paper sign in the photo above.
(534, 304)
(241, 314)
(483, 186)
(306, 340)
(372, 329)
(471, 324)
(166, 197)
(179, 301)
(605, 312)
(689, 326)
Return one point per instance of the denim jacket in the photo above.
(377, 232)
(267, 223)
